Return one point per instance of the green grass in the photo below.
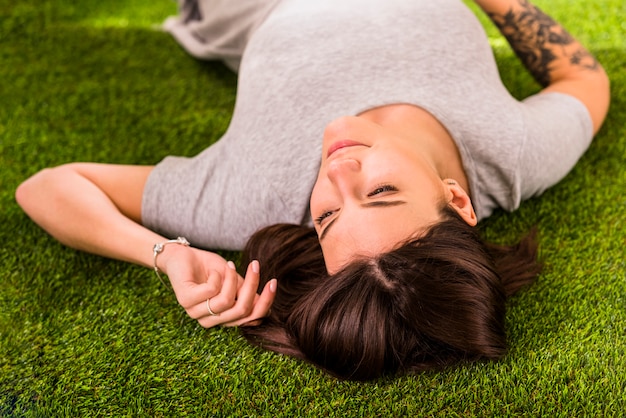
(85, 336)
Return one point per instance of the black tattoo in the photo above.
(535, 38)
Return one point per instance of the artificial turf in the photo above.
(85, 336)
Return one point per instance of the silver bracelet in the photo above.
(158, 249)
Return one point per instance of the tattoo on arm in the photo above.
(539, 41)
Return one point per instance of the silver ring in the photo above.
(208, 308)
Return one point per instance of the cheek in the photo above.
(323, 197)
(316, 194)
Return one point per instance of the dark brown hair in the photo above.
(433, 302)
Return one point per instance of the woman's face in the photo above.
(375, 189)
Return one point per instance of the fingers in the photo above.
(226, 298)
(192, 294)
(237, 304)
(220, 290)
(261, 305)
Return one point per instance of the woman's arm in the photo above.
(97, 208)
(554, 58)
(92, 207)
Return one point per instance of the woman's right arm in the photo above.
(97, 208)
(554, 58)
(92, 207)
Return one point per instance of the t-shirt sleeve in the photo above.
(216, 200)
(558, 131)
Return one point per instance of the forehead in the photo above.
(371, 231)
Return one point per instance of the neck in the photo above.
(419, 125)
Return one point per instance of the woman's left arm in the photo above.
(554, 58)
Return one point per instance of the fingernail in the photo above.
(255, 266)
(231, 265)
(273, 284)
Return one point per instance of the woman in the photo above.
(381, 270)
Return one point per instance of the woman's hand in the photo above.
(211, 291)
(97, 208)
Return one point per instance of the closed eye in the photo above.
(378, 190)
(382, 189)
(323, 216)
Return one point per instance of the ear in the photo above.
(459, 200)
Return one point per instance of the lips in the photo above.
(336, 146)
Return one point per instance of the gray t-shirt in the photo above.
(307, 63)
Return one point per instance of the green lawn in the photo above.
(85, 336)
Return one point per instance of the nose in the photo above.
(343, 173)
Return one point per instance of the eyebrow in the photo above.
(375, 204)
